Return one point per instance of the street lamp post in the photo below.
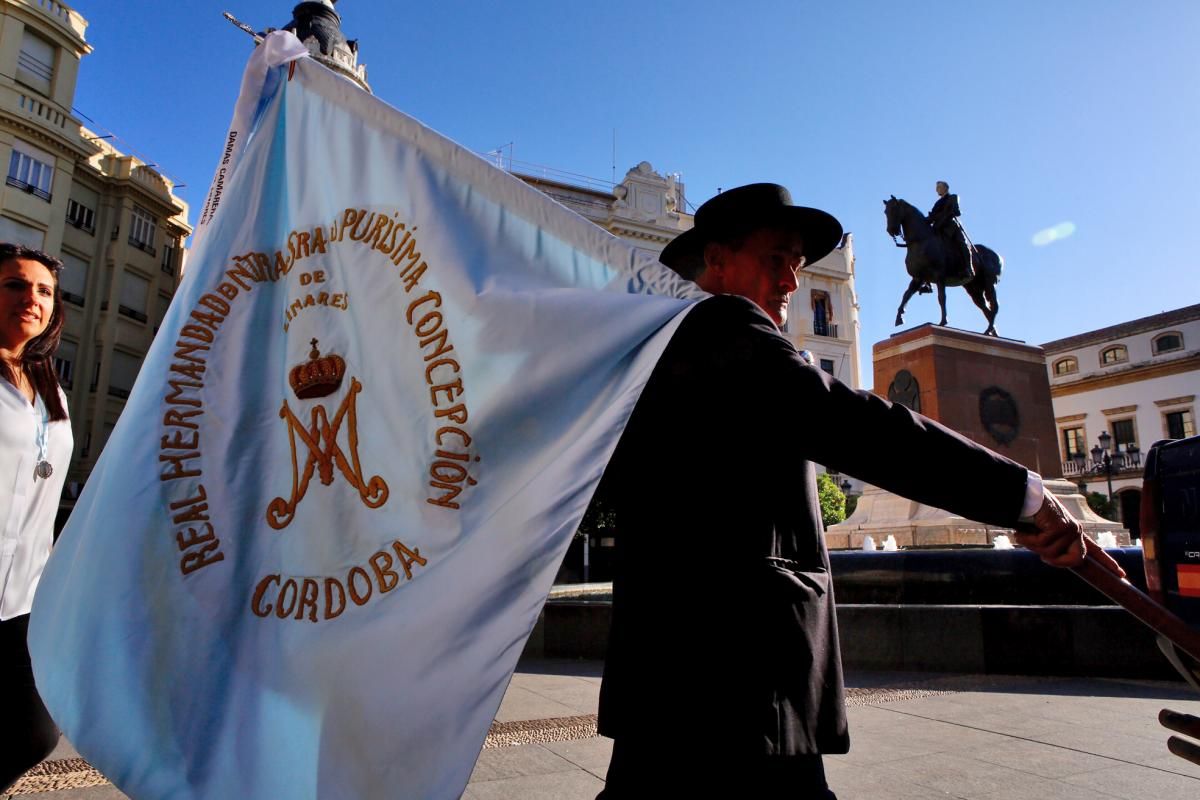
(587, 545)
(846, 486)
(1101, 458)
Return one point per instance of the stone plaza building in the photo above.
(113, 220)
(1131, 385)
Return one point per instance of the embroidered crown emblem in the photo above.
(320, 376)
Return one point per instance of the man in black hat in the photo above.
(723, 671)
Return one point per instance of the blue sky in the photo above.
(1038, 113)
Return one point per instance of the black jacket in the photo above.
(723, 610)
(942, 215)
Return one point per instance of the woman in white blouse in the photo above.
(35, 448)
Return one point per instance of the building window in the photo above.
(35, 63)
(1074, 443)
(1167, 343)
(134, 289)
(31, 170)
(1123, 433)
(164, 303)
(1066, 366)
(1180, 424)
(168, 259)
(20, 233)
(141, 229)
(1114, 355)
(124, 372)
(72, 280)
(105, 432)
(827, 365)
(81, 216)
(822, 314)
(64, 362)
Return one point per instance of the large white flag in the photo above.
(318, 538)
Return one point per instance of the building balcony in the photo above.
(132, 313)
(1122, 463)
(145, 247)
(824, 329)
(81, 224)
(28, 188)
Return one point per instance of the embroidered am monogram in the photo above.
(321, 376)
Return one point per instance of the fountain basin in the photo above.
(947, 610)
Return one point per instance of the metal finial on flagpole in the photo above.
(243, 26)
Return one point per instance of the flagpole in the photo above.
(243, 26)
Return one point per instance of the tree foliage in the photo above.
(851, 504)
(599, 519)
(1102, 505)
(833, 502)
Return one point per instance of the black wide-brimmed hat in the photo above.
(745, 209)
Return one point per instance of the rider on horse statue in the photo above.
(943, 218)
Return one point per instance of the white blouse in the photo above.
(28, 504)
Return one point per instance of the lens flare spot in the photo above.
(1053, 234)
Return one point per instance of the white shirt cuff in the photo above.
(1035, 493)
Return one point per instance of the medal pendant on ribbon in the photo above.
(43, 470)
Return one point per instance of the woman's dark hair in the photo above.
(37, 359)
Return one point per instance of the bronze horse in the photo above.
(928, 257)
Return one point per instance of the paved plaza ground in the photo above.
(914, 735)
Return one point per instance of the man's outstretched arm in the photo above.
(1058, 538)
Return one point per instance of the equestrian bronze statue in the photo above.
(933, 259)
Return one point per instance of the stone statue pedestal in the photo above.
(880, 514)
(993, 391)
